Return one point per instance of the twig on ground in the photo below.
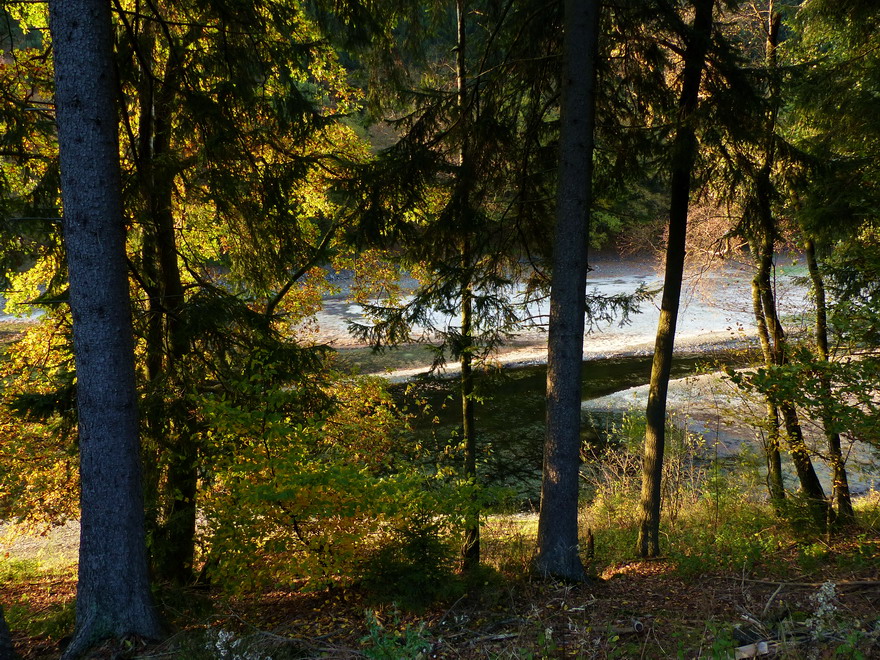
(806, 585)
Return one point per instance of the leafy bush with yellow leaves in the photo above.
(305, 502)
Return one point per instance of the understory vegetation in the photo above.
(736, 572)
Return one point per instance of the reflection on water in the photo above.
(510, 415)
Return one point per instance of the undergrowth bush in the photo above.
(414, 566)
(613, 472)
(304, 503)
(713, 517)
(394, 640)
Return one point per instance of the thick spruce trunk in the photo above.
(840, 482)
(113, 591)
(7, 651)
(558, 550)
(684, 151)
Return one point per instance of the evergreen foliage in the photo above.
(265, 145)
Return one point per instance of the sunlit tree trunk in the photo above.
(775, 481)
(684, 150)
(172, 476)
(840, 483)
(773, 443)
(800, 456)
(558, 551)
(113, 592)
(761, 231)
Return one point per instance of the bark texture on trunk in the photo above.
(7, 651)
(471, 550)
(684, 150)
(840, 482)
(800, 455)
(558, 552)
(773, 442)
(113, 591)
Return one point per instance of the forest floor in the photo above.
(664, 608)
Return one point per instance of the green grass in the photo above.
(53, 621)
(36, 606)
(16, 569)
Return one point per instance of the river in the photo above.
(716, 327)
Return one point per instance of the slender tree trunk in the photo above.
(172, 510)
(155, 418)
(471, 552)
(144, 162)
(775, 484)
(7, 651)
(558, 550)
(775, 481)
(800, 455)
(684, 150)
(113, 591)
(840, 483)
(763, 245)
(175, 548)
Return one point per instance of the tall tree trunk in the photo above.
(153, 419)
(471, 552)
(684, 150)
(840, 483)
(557, 525)
(175, 547)
(773, 444)
(172, 509)
(471, 555)
(113, 591)
(775, 481)
(763, 245)
(800, 455)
